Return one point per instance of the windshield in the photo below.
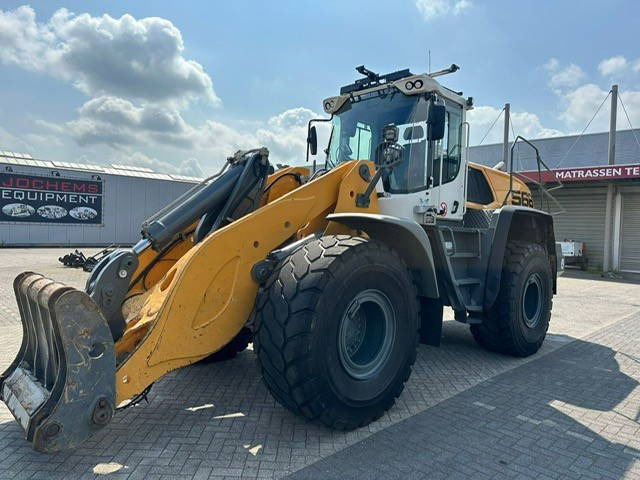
(357, 131)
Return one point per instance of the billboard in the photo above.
(584, 174)
(38, 199)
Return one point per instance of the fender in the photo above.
(405, 236)
(517, 223)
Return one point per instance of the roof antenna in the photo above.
(429, 61)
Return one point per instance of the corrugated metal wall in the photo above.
(128, 201)
(630, 238)
(583, 220)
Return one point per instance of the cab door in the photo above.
(448, 157)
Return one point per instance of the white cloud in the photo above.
(569, 76)
(580, 106)
(563, 77)
(190, 167)
(286, 134)
(552, 64)
(579, 101)
(140, 85)
(613, 66)
(132, 58)
(13, 143)
(43, 140)
(524, 123)
(120, 124)
(116, 121)
(582, 103)
(436, 8)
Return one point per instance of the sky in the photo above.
(179, 86)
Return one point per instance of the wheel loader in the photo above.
(335, 273)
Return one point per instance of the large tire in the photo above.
(518, 322)
(237, 344)
(336, 330)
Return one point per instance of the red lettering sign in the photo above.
(583, 174)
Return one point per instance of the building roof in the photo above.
(565, 152)
(24, 159)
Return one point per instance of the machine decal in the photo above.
(443, 209)
(39, 199)
(521, 198)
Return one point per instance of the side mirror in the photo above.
(312, 140)
(435, 122)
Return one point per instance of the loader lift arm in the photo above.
(172, 300)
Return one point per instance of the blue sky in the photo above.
(181, 91)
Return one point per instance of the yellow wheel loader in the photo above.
(335, 274)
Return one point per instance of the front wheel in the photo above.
(518, 322)
(336, 330)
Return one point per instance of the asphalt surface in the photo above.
(570, 411)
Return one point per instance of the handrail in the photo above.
(543, 191)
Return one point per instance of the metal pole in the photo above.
(606, 263)
(612, 125)
(505, 142)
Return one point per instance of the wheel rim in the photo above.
(366, 334)
(532, 301)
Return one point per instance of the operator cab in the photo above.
(430, 179)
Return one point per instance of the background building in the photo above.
(45, 203)
(581, 164)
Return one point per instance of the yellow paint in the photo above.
(276, 189)
(196, 298)
(207, 294)
(499, 184)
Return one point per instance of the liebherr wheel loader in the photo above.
(335, 274)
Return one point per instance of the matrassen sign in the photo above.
(585, 174)
(37, 199)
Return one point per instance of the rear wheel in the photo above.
(518, 322)
(336, 330)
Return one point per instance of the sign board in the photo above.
(584, 174)
(37, 199)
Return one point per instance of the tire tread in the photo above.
(282, 330)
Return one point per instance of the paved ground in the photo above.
(571, 411)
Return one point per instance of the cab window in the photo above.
(447, 152)
(360, 143)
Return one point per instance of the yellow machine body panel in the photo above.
(499, 183)
(207, 296)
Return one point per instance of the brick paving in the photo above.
(571, 414)
(218, 420)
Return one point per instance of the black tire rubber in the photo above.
(503, 328)
(431, 311)
(298, 314)
(238, 344)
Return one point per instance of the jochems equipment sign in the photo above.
(35, 199)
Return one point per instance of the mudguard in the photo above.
(405, 236)
(517, 223)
